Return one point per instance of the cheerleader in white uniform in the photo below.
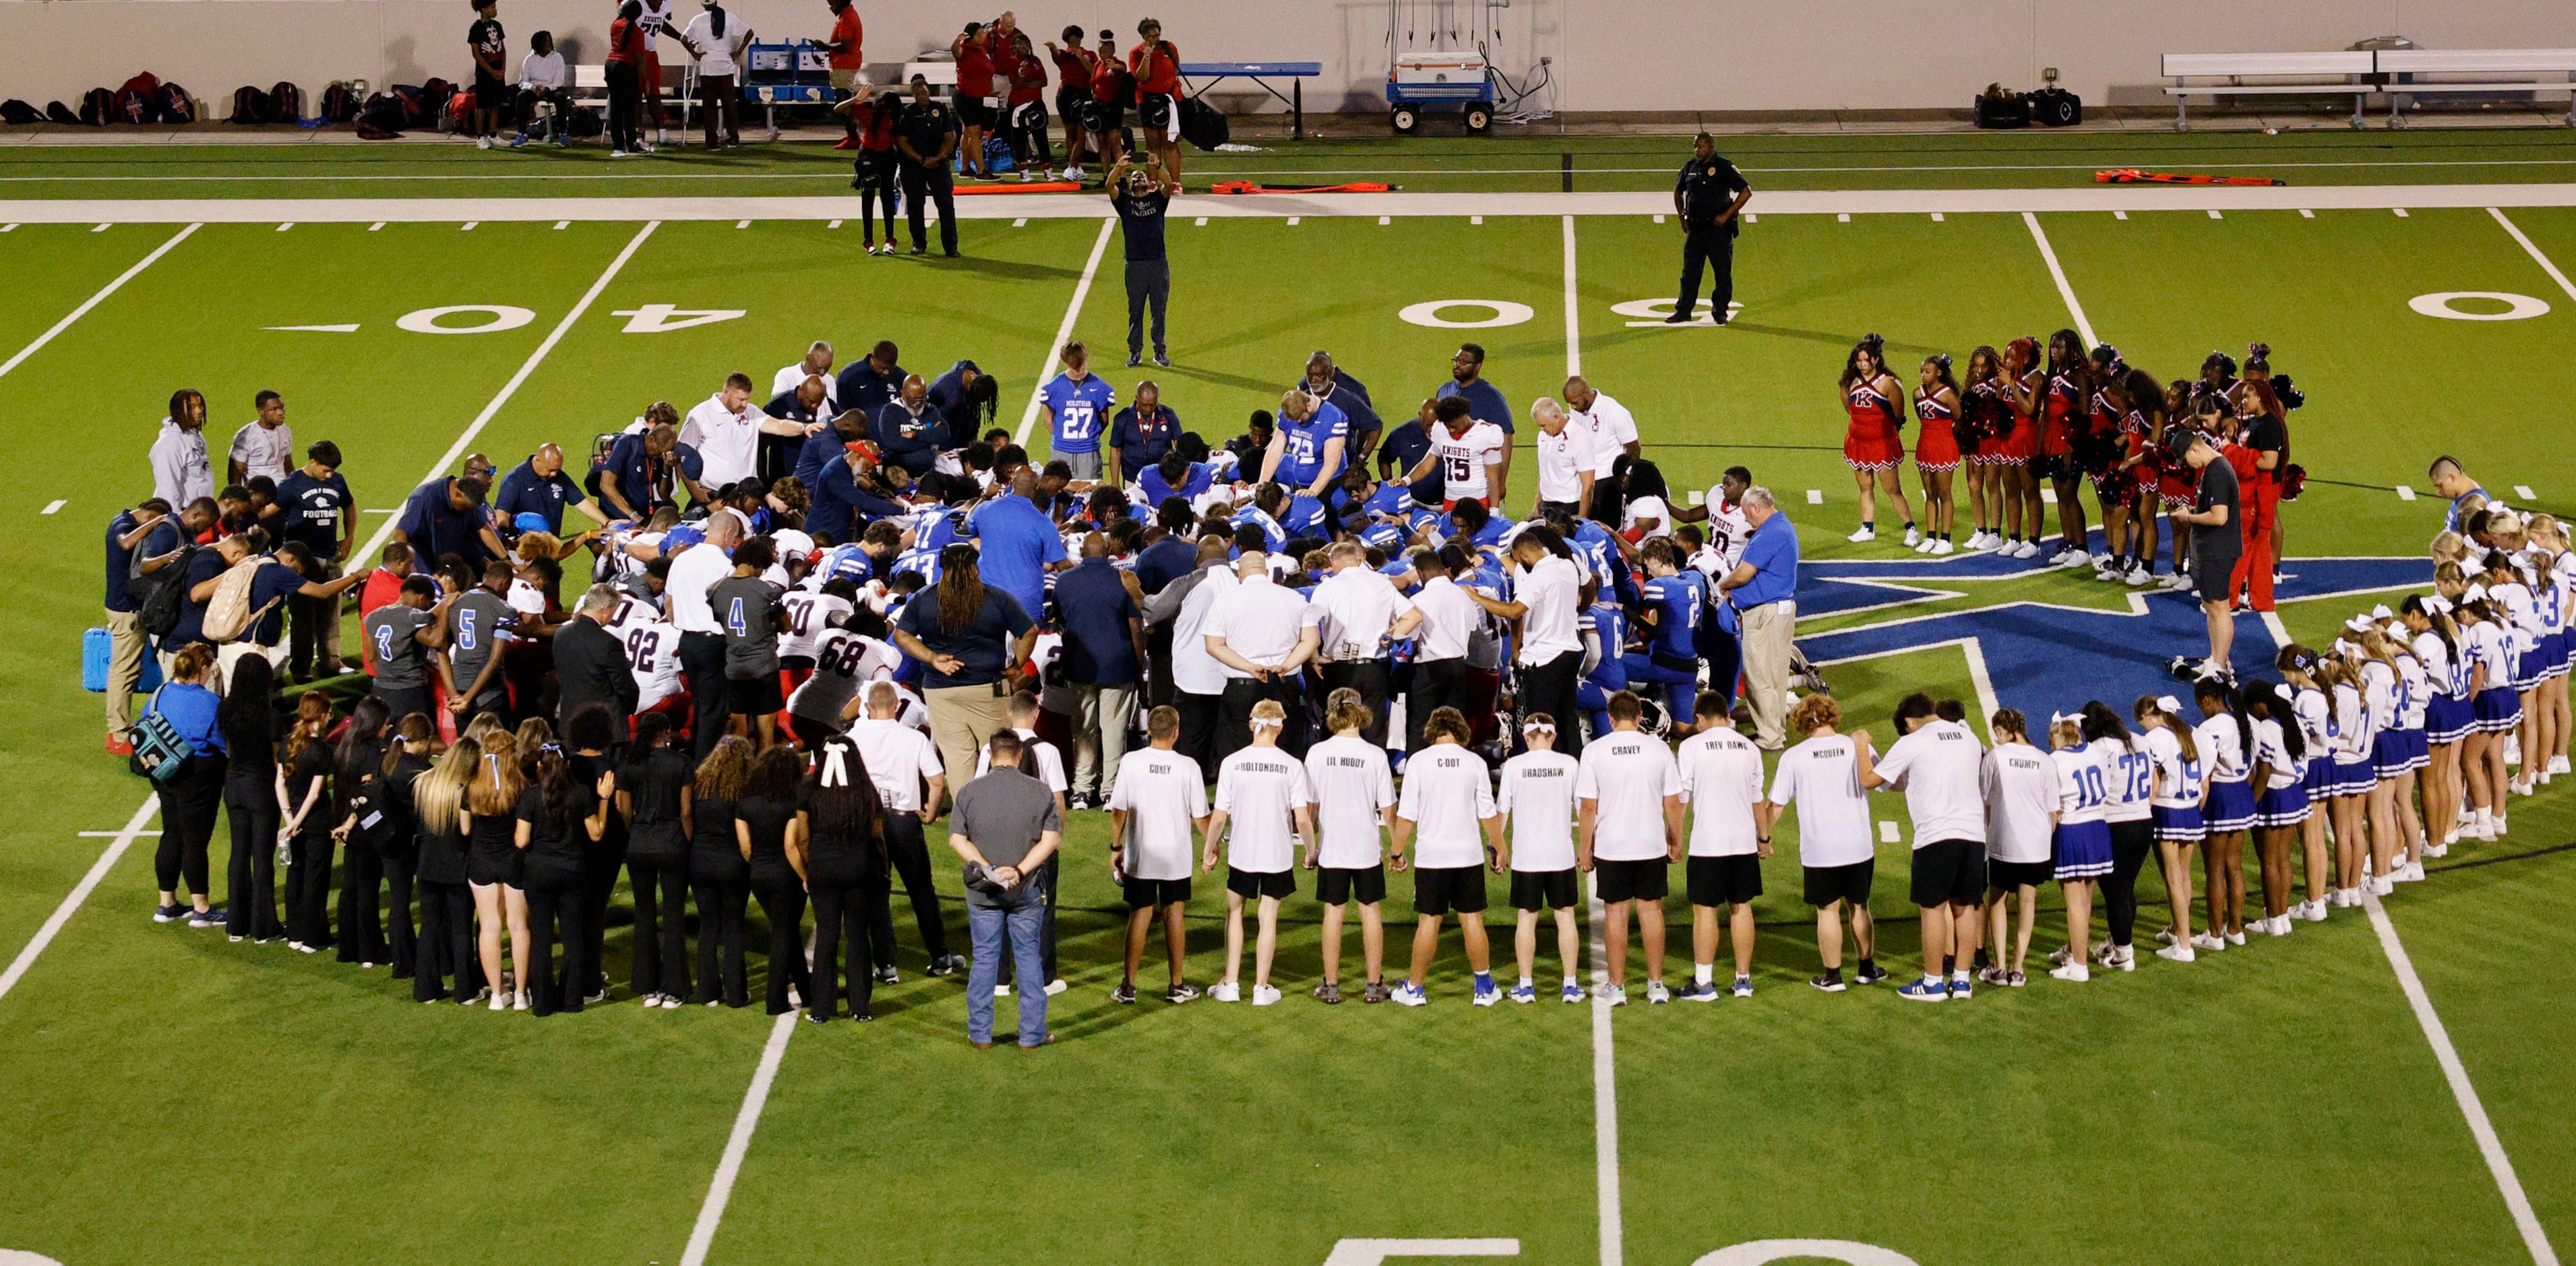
(2553, 580)
(2312, 710)
(2513, 599)
(2448, 718)
(2348, 795)
(2082, 842)
(2380, 686)
(2225, 741)
(2388, 644)
(2281, 807)
(2177, 810)
(2487, 645)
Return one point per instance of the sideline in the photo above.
(720, 1190)
(96, 299)
(1064, 332)
(1064, 206)
(2492, 1148)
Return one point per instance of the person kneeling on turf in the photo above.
(1448, 803)
(1631, 834)
(1538, 796)
(1823, 777)
(1730, 835)
(1161, 795)
(1261, 792)
(1354, 800)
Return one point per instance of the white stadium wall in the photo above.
(1608, 55)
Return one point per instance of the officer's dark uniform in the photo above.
(925, 128)
(1707, 187)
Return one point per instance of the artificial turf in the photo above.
(165, 1095)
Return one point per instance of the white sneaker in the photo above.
(2521, 787)
(2497, 825)
(2440, 850)
(2513, 749)
(500, 1002)
(520, 1002)
(2177, 582)
(482, 142)
(2205, 941)
(2125, 958)
(2073, 558)
(617, 153)
(1926, 546)
(1861, 535)
(2140, 578)
(2072, 973)
(1410, 994)
(2410, 873)
(1228, 991)
(2279, 926)
(2029, 549)
(2236, 937)
(2176, 953)
(1056, 986)
(2317, 910)
(1264, 995)
(1657, 994)
(2383, 885)
(1913, 535)
(1945, 547)
(2558, 765)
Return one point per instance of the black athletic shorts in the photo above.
(1448, 890)
(489, 93)
(972, 112)
(1829, 884)
(1733, 879)
(2212, 574)
(1540, 889)
(1632, 881)
(1950, 870)
(2010, 875)
(1249, 884)
(1336, 885)
(1103, 117)
(753, 696)
(1154, 894)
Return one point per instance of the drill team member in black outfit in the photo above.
(1709, 196)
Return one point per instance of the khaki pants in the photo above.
(124, 668)
(962, 718)
(1770, 636)
(1101, 715)
(231, 653)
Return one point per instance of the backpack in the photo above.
(164, 594)
(1202, 125)
(19, 112)
(251, 106)
(378, 821)
(287, 102)
(159, 753)
(229, 617)
(434, 96)
(412, 97)
(57, 112)
(175, 105)
(383, 119)
(583, 124)
(138, 101)
(460, 104)
(98, 107)
(340, 104)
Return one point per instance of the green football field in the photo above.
(166, 1096)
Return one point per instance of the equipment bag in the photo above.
(229, 616)
(1999, 107)
(286, 103)
(98, 656)
(340, 103)
(175, 105)
(1202, 124)
(57, 112)
(251, 107)
(139, 100)
(2056, 107)
(162, 596)
(98, 107)
(19, 112)
(159, 753)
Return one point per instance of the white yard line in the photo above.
(2492, 1148)
(96, 299)
(2534, 251)
(1375, 1252)
(2065, 290)
(54, 506)
(457, 450)
(1064, 329)
(1605, 1088)
(71, 904)
(720, 1191)
(1573, 309)
(2091, 199)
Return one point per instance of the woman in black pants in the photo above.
(446, 907)
(720, 871)
(591, 732)
(362, 867)
(305, 760)
(765, 824)
(191, 798)
(415, 745)
(249, 720)
(558, 814)
(2133, 831)
(653, 796)
(627, 44)
(840, 849)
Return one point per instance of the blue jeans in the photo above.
(987, 927)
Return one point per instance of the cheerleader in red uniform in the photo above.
(1985, 411)
(2176, 485)
(2024, 383)
(2061, 400)
(1937, 450)
(1872, 445)
(2142, 429)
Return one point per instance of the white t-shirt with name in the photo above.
(1721, 781)
(1627, 774)
(900, 760)
(1939, 764)
(1261, 789)
(1821, 776)
(1447, 797)
(1352, 785)
(1538, 793)
(2021, 794)
(1162, 795)
(1050, 761)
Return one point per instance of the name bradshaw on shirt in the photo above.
(1542, 771)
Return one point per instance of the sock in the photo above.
(1834, 975)
(1909, 525)
(1868, 964)
(1704, 973)
(1569, 982)
(1525, 982)
(1869, 525)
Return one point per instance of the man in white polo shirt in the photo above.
(695, 570)
(1940, 766)
(903, 762)
(1358, 612)
(1568, 459)
(1550, 608)
(1158, 799)
(817, 364)
(1730, 835)
(1614, 434)
(1629, 832)
(726, 428)
(1262, 633)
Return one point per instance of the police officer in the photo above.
(925, 137)
(1708, 197)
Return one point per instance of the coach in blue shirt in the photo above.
(447, 516)
(539, 486)
(1019, 542)
(649, 469)
(841, 507)
(870, 381)
(1762, 587)
(1104, 659)
(1141, 433)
